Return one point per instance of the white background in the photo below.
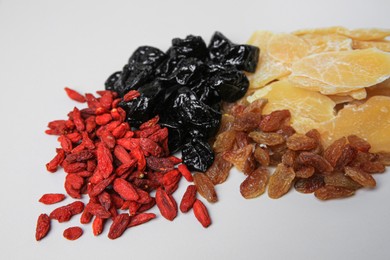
(47, 45)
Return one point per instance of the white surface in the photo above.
(46, 45)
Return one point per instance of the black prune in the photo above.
(197, 155)
(188, 71)
(134, 76)
(191, 46)
(206, 92)
(243, 57)
(147, 105)
(147, 55)
(218, 47)
(230, 83)
(193, 113)
(175, 135)
(111, 81)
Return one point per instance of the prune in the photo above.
(187, 71)
(231, 84)
(111, 81)
(194, 114)
(147, 55)
(206, 93)
(243, 57)
(133, 76)
(146, 105)
(197, 155)
(191, 46)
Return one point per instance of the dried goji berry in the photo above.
(141, 219)
(51, 198)
(185, 172)
(43, 226)
(166, 204)
(76, 96)
(119, 225)
(188, 199)
(97, 225)
(73, 233)
(125, 189)
(201, 213)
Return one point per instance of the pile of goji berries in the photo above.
(117, 166)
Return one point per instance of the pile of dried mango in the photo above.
(331, 79)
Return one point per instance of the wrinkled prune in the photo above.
(187, 71)
(230, 83)
(146, 105)
(197, 155)
(242, 57)
(191, 46)
(206, 93)
(134, 76)
(111, 81)
(147, 55)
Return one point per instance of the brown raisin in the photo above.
(333, 192)
(316, 161)
(300, 142)
(280, 181)
(384, 158)
(254, 185)
(247, 121)
(289, 158)
(360, 176)
(262, 156)
(338, 179)
(304, 171)
(309, 185)
(334, 151)
(359, 143)
(242, 158)
(270, 139)
(274, 121)
(373, 167)
(205, 187)
(219, 170)
(224, 141)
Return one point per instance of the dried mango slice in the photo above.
(287, 48)
(357, 34)
(308, 108)
(358, 94)
(370, 121)
(268, 68)
(330, 42)
(381, 45)
(343, 71)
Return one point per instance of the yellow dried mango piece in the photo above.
(329, 42)
(308, 108)
(287, 48)
(342, 71)
(268, 68)
(370, 120)
(358, 94)
(340, 99)
(381, 45)
(357, 34)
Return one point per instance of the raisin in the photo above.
(274, 121)
(255, 183)
(300, 142)
(219, 170)
(270, 139)
(304, 171)
(205, 187)
(280, 181)
(242, 159)
(360, 176)
(316, 161)
(338, 179)
(289, 158)
(384, 158)
(359, 143)
(348, 154)
(373, 167)
(334, 151)
(224, 141)
(247, 121)
(309, 185)
(333, 192)
(262, 156)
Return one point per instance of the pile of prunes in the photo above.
(185, 87)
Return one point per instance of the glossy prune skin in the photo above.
(242, 57)
(147, 55)
(191, 46)
(197, 155)
(147, 105)
(230, 83)
(112, 79)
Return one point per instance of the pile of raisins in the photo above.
(185, 87)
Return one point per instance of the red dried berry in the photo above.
(43, 226)
(73, 233)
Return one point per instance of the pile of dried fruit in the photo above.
(252, 142)
(318, 111)
(117, 166)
